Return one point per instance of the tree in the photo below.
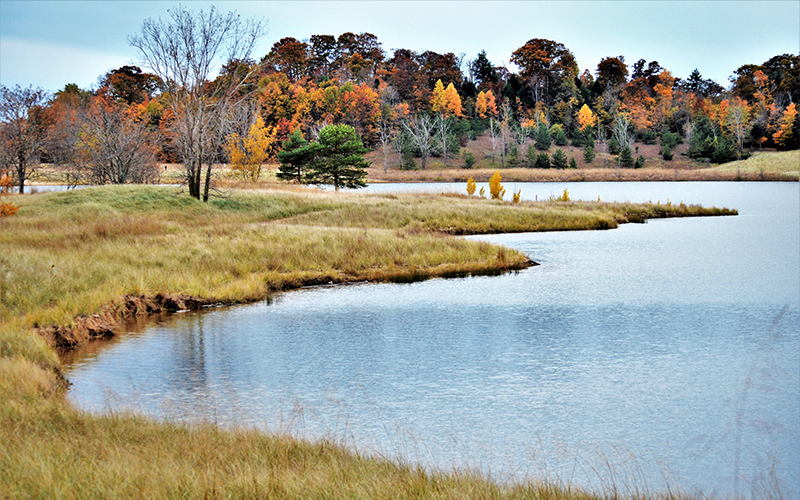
(586, 118)
(419, 130)
(483, 72)
(588, 154)
(495, 188)
(294, 158)
(542, 137)
(786, 136)
(289, 56)
(113, 148)
(22, 131)
(622, 132)
(543, 160)
(183, 51)
(625, 158)
(247, 154)
(544, 64)
(129, 85)
(559, 159)
(612, 73)
(338, 158)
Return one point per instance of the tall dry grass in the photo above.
(73, 253)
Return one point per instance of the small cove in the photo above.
(672, 344)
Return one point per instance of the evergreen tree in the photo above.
(542, 138)
(559, 136)
(543, 160)
(666, 153)
(294, 157)
(559, 159)
(588, 154)
(613, 146)
(572, 162)
(639, 162)
(530, 154)
(338, 158)
(625, 158)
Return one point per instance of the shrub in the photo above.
(564, 196)
(666, 153)
(515, 196)
(639, 162)
(573, 163)
(649, 137)
(408, 162)
(559, 136)
(613, 146)
(669, 139)
(469, 159)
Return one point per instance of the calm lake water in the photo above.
(668, 351)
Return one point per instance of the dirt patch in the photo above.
(103, 324)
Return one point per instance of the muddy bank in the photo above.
(113, 317)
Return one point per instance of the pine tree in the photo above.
(543, 160)
(573, 163)
(588, 154)
(625, 158)
(338, 158)
(559, 159)
(294, 157)
(542, 138)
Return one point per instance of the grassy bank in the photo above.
(75, 264)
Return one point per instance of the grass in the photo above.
(75, 264)
(786, 163)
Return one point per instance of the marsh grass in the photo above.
(71, 254)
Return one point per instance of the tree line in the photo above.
(249, 111)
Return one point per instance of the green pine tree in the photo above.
(559, 159)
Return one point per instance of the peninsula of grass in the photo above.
(74, 265)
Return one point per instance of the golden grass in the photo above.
(785, 163)
(70, 255)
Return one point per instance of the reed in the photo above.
(85, 258)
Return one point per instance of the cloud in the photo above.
(51, 66)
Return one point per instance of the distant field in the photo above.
(769, 162)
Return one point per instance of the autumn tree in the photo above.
(183, 51)
(129, 84)
(786, 136)
(737, 119)
(22, 131)
(586, 118)
(289, 56)
(113, 148)
(495, 188)
(544, 64)
(247, 154)
(337, 158)
(612, 73)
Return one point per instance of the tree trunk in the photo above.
(208, 183)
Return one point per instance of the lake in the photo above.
(668, 352)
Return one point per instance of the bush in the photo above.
(559, 159)
(649, 137)
(469, 159)
(666, 153)
(670, 140)
(573, 163)
(408, 162)
(495, 188)
(639, 162)
(559, 136)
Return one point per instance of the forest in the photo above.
(252, 111)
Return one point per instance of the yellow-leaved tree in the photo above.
(480, 104)
(438, 98)
(495, 188)
(586, 118)
(784, 137)
(471, 186)
(247, 155)
(452, 101)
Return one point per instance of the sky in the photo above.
(51, 43)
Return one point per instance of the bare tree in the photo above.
(387, 131)
(442, 125)
(113, 148)
(183, 51)
(602, 138)
(420, 130)
(22, 131)
(494, 135)
(622, 133)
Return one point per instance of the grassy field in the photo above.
(74, 265)
(786, 163)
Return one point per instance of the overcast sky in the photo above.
(51, 43)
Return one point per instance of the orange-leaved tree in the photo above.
(586, 118)
(785, 137)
